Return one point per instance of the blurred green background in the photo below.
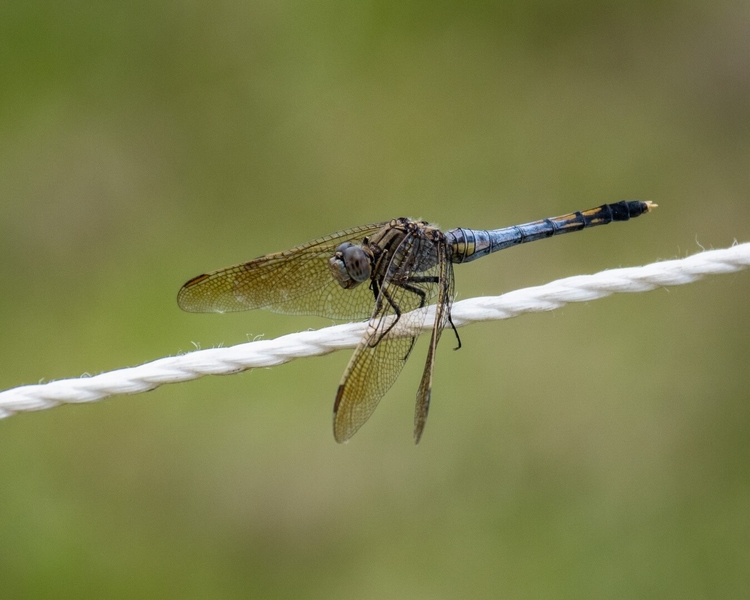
(600, 451)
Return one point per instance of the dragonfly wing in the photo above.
(371, 372)
(401, 307)
(442, 314)
(297, 281)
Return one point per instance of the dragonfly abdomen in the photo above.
(469, 244)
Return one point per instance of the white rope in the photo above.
(267, 353)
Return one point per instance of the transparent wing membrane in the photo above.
(297, 281)
(442, 317)
(402, 306)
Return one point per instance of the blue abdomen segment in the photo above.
(469, 244)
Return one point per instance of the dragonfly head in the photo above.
(350, 265)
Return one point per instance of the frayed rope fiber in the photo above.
(268, 353)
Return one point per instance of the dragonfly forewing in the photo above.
(297, 281)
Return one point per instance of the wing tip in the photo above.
(421, 411)
(341, 433)
(185, 299)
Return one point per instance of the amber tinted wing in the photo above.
(442, 314)
(379, 358)
(297, 281)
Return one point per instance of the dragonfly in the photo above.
(388, 274)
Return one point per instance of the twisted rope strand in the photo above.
(268, 353)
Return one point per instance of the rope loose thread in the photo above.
(269, 353)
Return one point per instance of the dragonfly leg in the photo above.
(396, 319)
(397, 310)
(421, 294)
(409, 288)
(374, 287)
(424, 279)
(414, 289)
(458, 339)
(422, 298)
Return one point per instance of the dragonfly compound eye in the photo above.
(357, 263)
(350, 266)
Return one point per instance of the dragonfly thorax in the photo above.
(350, 265)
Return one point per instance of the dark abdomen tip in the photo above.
(622, 211)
